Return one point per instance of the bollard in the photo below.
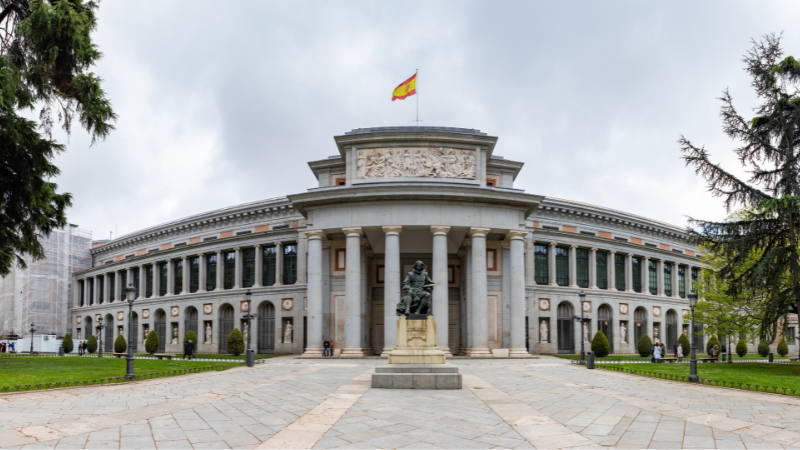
(61, 350)
(251, 357)
(590, 361)
(770, 357)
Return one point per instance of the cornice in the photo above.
(421, 138)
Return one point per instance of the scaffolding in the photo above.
(41, 294)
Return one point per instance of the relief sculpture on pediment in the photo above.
(439, 162)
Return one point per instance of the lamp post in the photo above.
(33, 330)
(250, 356)
(693, 361)
(100, 327)
(582, 295)
(130, 293)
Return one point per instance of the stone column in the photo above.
(96, 294)
(170, 282)
(259, 265)
(352, 287)
(76, 294)
(391, 286)
(104, 296)
(117, 285)
(573, 263)
(237, 271)
(221, 273)
(551, 264)
(314, 292)
(86, 300)
(660, 277)
(278, 264)
(440, 298)
(593, 268)
(517, 292)
(688, 275)
(156, 280)
(611, 268)
(202, 280)
(480, 300)
(629, 272)
(676, 293)
(302, 264)
(530, 261)
(646, 275)
(142, 283)
(187, 275)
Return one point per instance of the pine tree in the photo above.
(190, 335)
(151, 343)
(644, 346)
(235, 342)
(91, 344)
(600, 345)
(686, 346)
(741, 348)
(67, 343)
(120, 346)
(783, 347)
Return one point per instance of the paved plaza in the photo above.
(294, 403)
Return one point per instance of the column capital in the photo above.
(440, 229)
(167, 260)
(630, 254)
(478, 231)
(516, 234)
(256, 245)
(552, 244)
(594, 249)
(353, 231)
(315, 234)
(200, 255)
(392, 230)
(573, 246)
(237, 248)
(612, 251)
(185, 257)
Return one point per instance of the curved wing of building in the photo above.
(326, 264)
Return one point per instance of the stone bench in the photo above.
(417, 376)
(163, 356)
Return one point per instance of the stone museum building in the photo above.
(327, 263)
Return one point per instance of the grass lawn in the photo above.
(35, 370)
(699, 355)
(764, 374)
(215, 356)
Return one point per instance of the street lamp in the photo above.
(693, 361)
(582, 295)
(33, 330)
(250, 358)
(130, 293)
(100, 327)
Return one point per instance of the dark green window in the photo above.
(668, 280)
(693, 285)
(177, 287)
(652, 276)
(91, 291)
(249, 266)
(681, 282)
(123, 275)
(230, 270)
(582, 267)
(540, 263)
(135, 273)
(268, 275)
(601, 269)
(148, 288)
(211, 272)
(162, 285)
(100, 290)
(619, 272)
(290, 264)
(636, 270)
(194, 274)
(111, 281)
(562, 266)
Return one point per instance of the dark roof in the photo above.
(416, 129)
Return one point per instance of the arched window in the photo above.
(606, 324)
(266, 328)
(190, 322)
(225, 326)
(161, 329)
(566, 343)
(639, 323)
(110, 334)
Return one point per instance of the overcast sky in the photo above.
(224, 103)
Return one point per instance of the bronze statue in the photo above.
(417, 288)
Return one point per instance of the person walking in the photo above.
(656, 353)
(82, 347)
(326, 348)
(679, 353)
(724, 352)
(188, 349)
(675, 349)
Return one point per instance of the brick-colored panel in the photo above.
(166, 246)
(118, 258)
(225, 234)
(140, 252)
(605, 234)
(262, 228)
(194, 240)
(569, 229)
(294, 224)
(535, 224)
(689, 252)
(663, 246)
(636, 240)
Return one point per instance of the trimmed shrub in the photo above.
(783, 347)
(151, 343)
(644, 346)
(686, 346)
(235, 342)
(741, 348)
(120, 346)
(763, 349)
(91, 344)
(67, 343)
(711, 343)
(191, 336)
(600, 345)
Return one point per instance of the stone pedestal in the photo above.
(416, 342)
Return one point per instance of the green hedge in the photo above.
(644, 346)
(686, 346)
(600, 345)
(120, 345)
(741, 348)
(763, 349)
(67, 343)
(151, 343)
(91, 344)
(236, 342)
(783, 347)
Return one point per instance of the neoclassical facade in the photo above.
(327, 263)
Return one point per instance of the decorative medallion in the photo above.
(120, 315)
(544, 304)
(79, 320)
(145, 314)
(656, 311)
(623, 308)
(587, 307)
(244, 306)
(97, 317)
(287, 304)
(208, 309)
(175, 311)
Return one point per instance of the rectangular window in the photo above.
(582, 267)
(694, 279)
(681, 282)
(790, 334)
(601, 269)
(211, 272)
(491, 259)
(162, 282)
(149, 281)
(123, 277)
(83, 289)
(135, 273)
(668, 280)
(230, 270)
(562, 266)
(652, 277)
(177, 288)
(194, 274)
(540, 263)
(249, 266)
(619, 272)
(636, 271)
(290, 264)
(91, 292)
(111, 281)
(268, 275)
(100, 291)
(341, 258)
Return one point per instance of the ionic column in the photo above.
(646, 275)
(220, 271)
(660, 277)
(278, 264)
(76, 293)
(117, 285)
(314, 292)
(352, 296)
(187, 275)
(676, 292)
(480, 300)
(259, 265)
(202, 279)
(440, 298)
(629, 272)
(156, 280)
(86, 300)
(611, 261)
(302, 249)
(142, 282)
(573, 263)
(391, 286)
(96, 291)
(106, 288)
(170, 281)
(517, 292)
(237, 269)
(551, 264)
(593, 268)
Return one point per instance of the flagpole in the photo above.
(416, 89)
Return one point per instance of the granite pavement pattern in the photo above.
(294, 403)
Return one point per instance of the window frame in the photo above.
(562, 265)
(541, 264)
(601, 269)
(582, 267)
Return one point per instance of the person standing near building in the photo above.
(656, 353)
(188, 349)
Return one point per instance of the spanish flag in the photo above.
(406, 89)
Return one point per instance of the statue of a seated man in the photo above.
(417, 288)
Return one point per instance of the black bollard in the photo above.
(770, 357)
(590, 363)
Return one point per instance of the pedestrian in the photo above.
(12, 347)
(675, 349)
(724, 352)
(188, 349)
(82, 347)
(2, 348)
(326, 348)
(714, 351)
(679, 354)
(656, 353)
